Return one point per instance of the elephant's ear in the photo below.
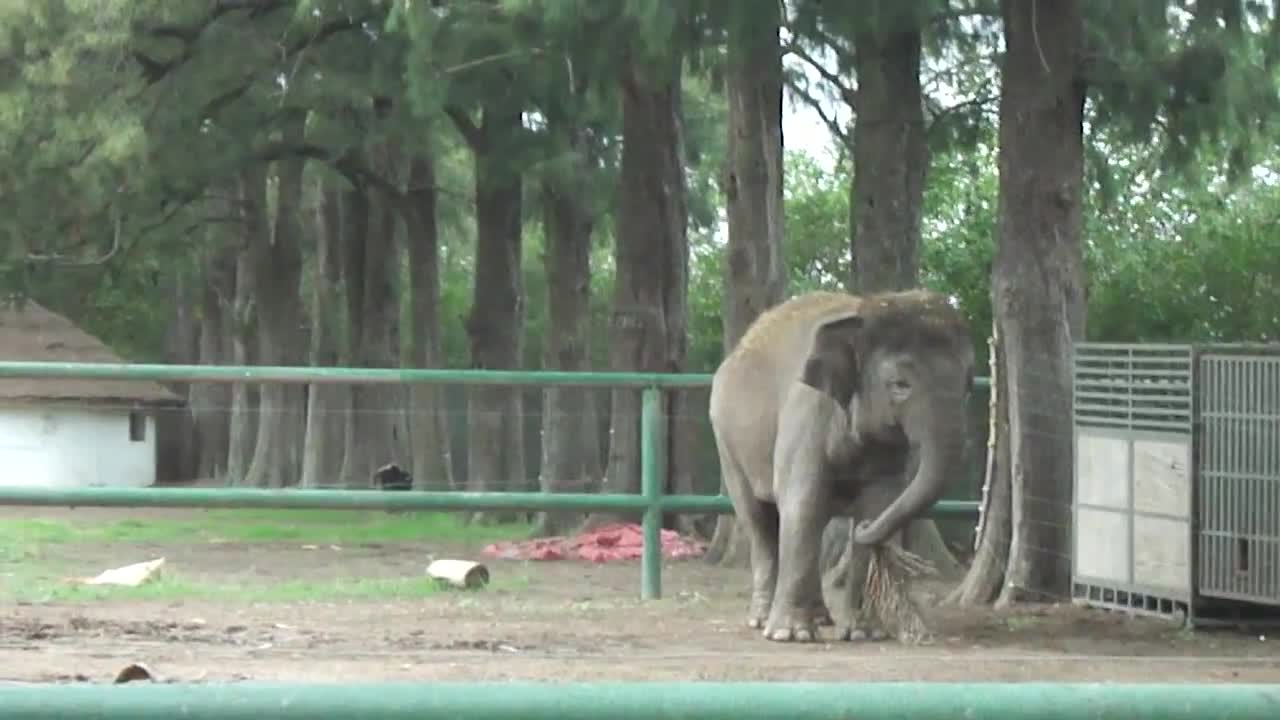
(832, 365)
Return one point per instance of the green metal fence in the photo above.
(627, 701)
(651, 501)
(558, 701)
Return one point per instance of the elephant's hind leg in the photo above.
(759, 520)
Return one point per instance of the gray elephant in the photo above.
(816, 411)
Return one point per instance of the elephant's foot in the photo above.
(864, 629)
(852, 633)
(821, 615)
(758, 613)
(797, 625)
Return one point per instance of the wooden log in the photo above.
(459, 573)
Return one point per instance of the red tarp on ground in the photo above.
(621, 541)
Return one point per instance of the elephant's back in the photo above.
(782, 334)
(771, 354)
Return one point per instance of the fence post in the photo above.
(651, 481)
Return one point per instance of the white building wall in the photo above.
(57, 446)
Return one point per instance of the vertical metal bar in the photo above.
(1270, 472)
(651, 482)
(1237, 466)
(1195, 438)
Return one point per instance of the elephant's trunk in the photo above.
(941, 453)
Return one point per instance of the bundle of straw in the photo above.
(886, 598)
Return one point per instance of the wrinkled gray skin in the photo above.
(815, 412)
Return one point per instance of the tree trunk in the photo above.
(275, 274)
(495, 437)
(211, 402)
(1038, 282)
(375, 433)
(982, 583)
(756, 276)
(356, 208)
(241, 328)
(328, 405)
(891, 161)
(428, 429)
(651, 251)
(176, 442)
(566, 414)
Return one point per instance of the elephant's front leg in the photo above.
(798, 608)
(861, 625)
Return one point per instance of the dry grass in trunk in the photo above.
(885, 596)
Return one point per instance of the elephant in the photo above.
(817, 411)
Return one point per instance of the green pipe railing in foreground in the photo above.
(647, 700)
(650, 501)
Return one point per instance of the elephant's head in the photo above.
(903, 365)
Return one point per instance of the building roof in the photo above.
(36, 334)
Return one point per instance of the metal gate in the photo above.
(1239, 475)
(1133, 494)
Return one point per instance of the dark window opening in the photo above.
(137, 427)
(1242, 555)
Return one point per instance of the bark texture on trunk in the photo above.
(241, 327)
(495, 437)
(890, 162)
(327, 405)
(755, 275)
(428, 429)
(567, 412)
(1038, 282)
(647, 330)
(275, 275)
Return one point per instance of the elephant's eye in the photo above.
(899, 384)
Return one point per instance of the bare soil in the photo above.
(568, 621)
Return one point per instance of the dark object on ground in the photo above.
(392, 477)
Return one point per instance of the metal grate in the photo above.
(1239, 476)
(1135, 387)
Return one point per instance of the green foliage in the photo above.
(70, 133)
(1198, 77)
(1174, 262)
(817, 224)
(134, 112)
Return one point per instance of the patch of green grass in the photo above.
(305, 526)
(26, 576)
(22, 587)
(1020, 623)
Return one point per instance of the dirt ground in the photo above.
(562, 621)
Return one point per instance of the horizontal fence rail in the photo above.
(647, 700)
(375, 500)
(651, 501)
(309, 375)
(346, 375)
